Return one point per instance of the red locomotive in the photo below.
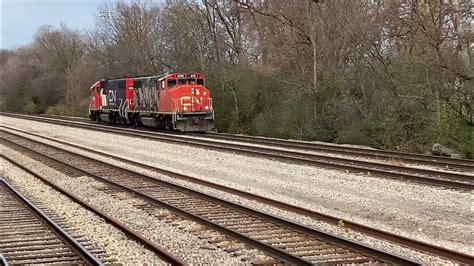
(168, 101)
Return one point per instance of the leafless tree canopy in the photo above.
(388, 73)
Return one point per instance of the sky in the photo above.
(22, 18)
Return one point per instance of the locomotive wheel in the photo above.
(168, 124)
(136, 121)
(112, 119)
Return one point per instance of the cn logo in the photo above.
(112, 97)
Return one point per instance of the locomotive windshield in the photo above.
(182, 81)
(171, 83)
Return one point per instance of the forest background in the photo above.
(392, 74)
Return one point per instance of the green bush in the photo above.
(450, 130)
(79, 109)
(30, 107)
(24, 103)
(241, 94)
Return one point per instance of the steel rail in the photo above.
(3, 260)
(71, 118)
(380, 234)
(446, 179)
(442, 162)
(77, 247)
(438, 161)
(275, 252)
(161, 252)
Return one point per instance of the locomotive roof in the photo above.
(142, 77)
(138, 77)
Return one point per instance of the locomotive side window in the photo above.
(200, 82)
(171, 83)
(137, 83)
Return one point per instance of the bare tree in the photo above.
(59, 51)
(128, 39)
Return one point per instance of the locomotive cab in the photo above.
(95, 101)
(192, 104)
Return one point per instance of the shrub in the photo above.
(80, 109)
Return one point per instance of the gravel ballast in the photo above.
(395, 162)
(94, 228)
(433, 215)
(170, 232)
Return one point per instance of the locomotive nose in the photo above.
(195, 99)
(196, 91)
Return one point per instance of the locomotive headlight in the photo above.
(185, 108)
(197, 91)
(206, 107)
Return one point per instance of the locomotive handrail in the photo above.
(211, 107)
(175, 111)
(175, 105)
(131, 103)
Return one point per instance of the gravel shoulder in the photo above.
(435, 215)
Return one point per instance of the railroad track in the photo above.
(130, 233)
(400, 240)
(283, 240)
(456, 180)
(447, 163)
(29, 236)
(70, 118)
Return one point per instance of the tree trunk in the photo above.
(313, 38)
